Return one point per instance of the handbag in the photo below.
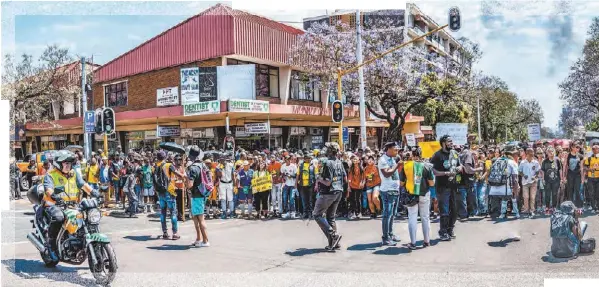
(587, 245)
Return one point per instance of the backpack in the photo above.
(559, 224)
(160, 179)
(147, 177)
(204, 185)
(498, 174)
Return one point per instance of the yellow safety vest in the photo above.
(71, 191)
(593, 164)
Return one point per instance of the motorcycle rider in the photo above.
(61, 184)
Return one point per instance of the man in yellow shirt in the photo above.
(92, 174)
(591, 167)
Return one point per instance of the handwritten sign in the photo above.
(190, 85)
(261, 183)
(458, 132)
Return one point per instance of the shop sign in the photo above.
(204, 133)
(240, 132)
(45, 139)
(150, 135)
(345, 134)
(236, 81)
(58, 138)
(276, 131)
(298, 131)
(168, 131)
(135, 136)
(186, 133)
(316, 131)
(190, 85)
(208, 84)
(202, 108)
(336, 130)
(317, 140)
(256, 128)
(167, 97)
(248, 106)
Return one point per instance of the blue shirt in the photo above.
(245, 177)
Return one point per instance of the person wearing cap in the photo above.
(306, 176)
(289, 174)
(329, 187)
(147, 185)
(197, 172)
(389, 169)
(446, 164)
(244, 188)
(511, 189)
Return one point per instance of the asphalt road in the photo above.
(290, 252)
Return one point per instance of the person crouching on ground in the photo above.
(199, 181)
(567, 232)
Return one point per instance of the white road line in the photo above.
(129, 231)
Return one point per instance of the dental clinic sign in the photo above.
(248, 106)
(202, 108)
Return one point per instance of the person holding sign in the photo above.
(417, 177)
(261, 186)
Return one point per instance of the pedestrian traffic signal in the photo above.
(337, 112)
(99, 129)
(455, 20)
(108, 121)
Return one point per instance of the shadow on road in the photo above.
(497, 220)
(363, 247)
(170, 247)
(548, 258)
(305, 251)
(142, 237)
(393, 251)
(30, 269)
(501, 243)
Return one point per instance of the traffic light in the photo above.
(108, 121)
(337, 113)
(99, 129)
(455, 20)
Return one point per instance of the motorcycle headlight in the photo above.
(94, 215)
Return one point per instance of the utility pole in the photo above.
(361, 79)
(86, 136)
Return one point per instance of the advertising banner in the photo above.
(236, 82)
(167, 97)
(202, 108)
(248, 106)
(208, 84)
(458, 132)
(190, 85)
(168, 131)
(256, 128)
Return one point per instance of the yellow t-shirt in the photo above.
(92, 172)
(593, 165)
(305, 170)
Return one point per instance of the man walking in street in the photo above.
(162, 177)
(389, 167)
(445, 167)
(574, 176)
(330, 190)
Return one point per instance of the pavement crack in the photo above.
(278, 265)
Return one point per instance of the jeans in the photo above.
(167, 201)
(117, 190)
(307, 202)
(326, 204)
(132, 197)
(447, 208)
(364, 200)
(462, 201)
(423, 206)
(481, 195)
(389, 202)
(288, 199)
(276, 203)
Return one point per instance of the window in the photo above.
(267, 78)
(302, 89)
(116, 95)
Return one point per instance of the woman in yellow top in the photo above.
(261, 186)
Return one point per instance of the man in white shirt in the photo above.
(511, 188)
(529, 170)
(289, 173)
(225, 175)
(389, 172)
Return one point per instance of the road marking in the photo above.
(129, 231)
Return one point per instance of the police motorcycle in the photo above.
(79, 238)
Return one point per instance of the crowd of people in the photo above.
(455, 183)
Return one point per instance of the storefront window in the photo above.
(302, 89)
(116, 94)
(267, 78)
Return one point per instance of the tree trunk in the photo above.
(394, 133)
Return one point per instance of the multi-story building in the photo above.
(221, 69)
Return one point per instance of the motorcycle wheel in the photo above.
(48, 261)
(105, 271)
(24, 183)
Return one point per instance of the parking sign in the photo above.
(90, 122)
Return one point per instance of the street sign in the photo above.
(90, 122)
(345, 135)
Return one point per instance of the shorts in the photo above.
(197, 206)
(245, 193)
(149, 191)
(374, 188)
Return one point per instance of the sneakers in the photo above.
(502, 216)
(445, 237)
(517, 216)
(333, 239)
(425, 244)
(412, 246)
(451, 234)
(395, 238)
(204, 244)
(286, 215)
(152, 208)
(196, 244)
(532, 215)
(389, 243)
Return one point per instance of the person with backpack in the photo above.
(199, 181)
(165, 188)
(503, 181)
(147, 186)
(567, 232)
(446, 165)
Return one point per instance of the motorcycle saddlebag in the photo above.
(36, 194)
